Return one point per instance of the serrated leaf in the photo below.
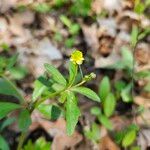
(3, 144)
(105, 122)
(72, 112)
(109, 105)
(129, 138)
(24, 120)
(87, 92)
(6, 108)
(8, 88)
(56, 75)
(104, 88)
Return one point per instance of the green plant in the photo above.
(81, 7)
(127, 136)
(4, 123)
(52, 85)
(39, 144)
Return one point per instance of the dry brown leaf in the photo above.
(35, 53)
(141, 101)
(143, 139)
(106, 143)
(91, 36)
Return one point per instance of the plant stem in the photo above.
(21, 140)
(81, 71)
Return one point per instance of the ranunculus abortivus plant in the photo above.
(52, 85)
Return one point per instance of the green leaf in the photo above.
(129, 138)
(87, 92)
(56, 75)
(127, 57)
(50, 111)
(3, 144)
(18, 73)
(63, 97)
(58, 87)
(8, 88)
(6, 123)
(134, 35)
(42, 7)
(24, 120)
(66, 21)
(95, 111)
(12, 61)
(38, 90)
(94, 133)
(45, 110)
(74, 29)
(55, 112)
(40, 144)
(6, 108)
(72, 112)
(106, 122)
(104, 88)
(72, 72)
(109, 105)
(126, 93)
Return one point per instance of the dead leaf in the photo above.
(106, 143)
(141, 101)
(143, 139)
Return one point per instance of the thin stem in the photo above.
(81, 71)
(21, 140)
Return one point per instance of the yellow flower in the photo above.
(77, 57)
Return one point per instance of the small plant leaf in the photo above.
(38, 89)
(66, 21)
(56, 75)
(50, 111)
(24, 120)
(8, 88)
(3, 144)
(104, 88)
(55, 112)
(127, 57)
(126, 94)
(95, 111)
(105, 121)
(129, 138)
(109, 105)
(72, 112)
(6, 108)
(134, 35)
(72, 72)
(12, 61)
(87, 92)
(6, 123)
(63, 97)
